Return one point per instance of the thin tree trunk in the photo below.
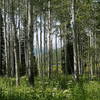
(91, 57)
(73, 25)
(26, 39)
(50, 40)
(78, 55)
(12, 52)
(45, 44)
(30, 43)
(16, 55)
(1, 32)
(37, 47)
(56, 44)
(41, 53)
(6, 38)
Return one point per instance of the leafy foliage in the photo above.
(51, 90)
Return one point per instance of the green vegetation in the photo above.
(55, 89)
(49, 49)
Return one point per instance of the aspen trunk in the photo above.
(91, 57)
(73, 25)
(56, 53)
(16, 55)
(50, 40)
(41, 53)
(30, 44)
(37, 46)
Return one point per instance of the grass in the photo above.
(60, 88)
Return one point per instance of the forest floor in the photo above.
(59, 88)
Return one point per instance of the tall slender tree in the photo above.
(73, 26)
(30, 43)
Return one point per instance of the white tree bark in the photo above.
(50, 40)
(74, 39)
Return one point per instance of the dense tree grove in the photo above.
(49, 49)
(44, 37)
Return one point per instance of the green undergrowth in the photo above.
(59, 88)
